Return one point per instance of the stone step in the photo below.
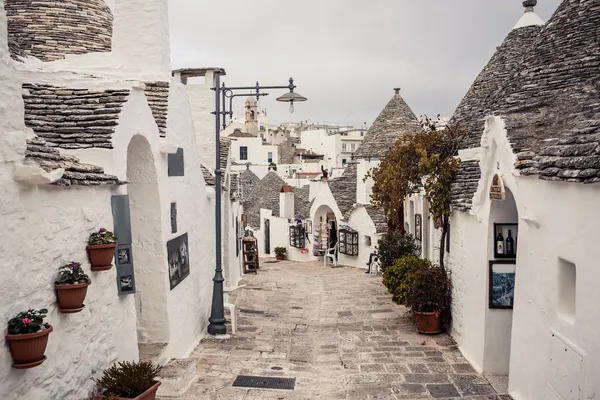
(151, 351)
(176, 378)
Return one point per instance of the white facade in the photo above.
(548, 342)
(49, 225)
(253, 151)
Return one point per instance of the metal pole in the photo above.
(224, 103)
(217, 313)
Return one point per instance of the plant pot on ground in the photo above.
(280, 253)
(28, 337)
(127, 380)
(429, 298)
(101, 249)
(71, 287)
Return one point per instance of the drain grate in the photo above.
(251, 311)
(264, 382)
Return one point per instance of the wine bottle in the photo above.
(500, 242)
(510, 246)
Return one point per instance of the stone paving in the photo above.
(338, 333)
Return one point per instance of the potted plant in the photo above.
(280, 253)
(399, 277)
(27, 338)
(130, 380)
(101, 249)
(71, 287)
(429, 297)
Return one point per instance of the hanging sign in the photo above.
(497, 189)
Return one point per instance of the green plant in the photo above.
(431, 291)
(129, 379)
(399, 277)
(29, 321)
(71, 273)
(102, 237)
(395, 245)
(280, 251)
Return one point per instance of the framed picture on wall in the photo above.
(178, 257)
(502, 284)
(308, 227)
(418, 227)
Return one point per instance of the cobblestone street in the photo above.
(338, 333)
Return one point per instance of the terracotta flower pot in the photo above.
(149, 394)
(428, 323)
(101, 256)
(280, 258)
(28, 349)
(71, 297)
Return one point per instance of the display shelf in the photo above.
(503, 250)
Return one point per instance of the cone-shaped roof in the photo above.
(396, 120)
(551, 106)
(248, 180)
(481, 97)
(343, 189)
(264, 195)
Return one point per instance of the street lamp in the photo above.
(222, 93)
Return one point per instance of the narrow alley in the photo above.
(337, 332)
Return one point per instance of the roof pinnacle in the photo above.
(397, 90)
(529, 4)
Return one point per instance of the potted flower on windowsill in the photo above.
(101, 249)
(127, 380)
(429, 297)
(71, 287)
(28, 337)
(280, 253)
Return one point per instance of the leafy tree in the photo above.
(424, 160)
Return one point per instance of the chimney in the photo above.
(397, 91)
(141, 36)
(286, 202)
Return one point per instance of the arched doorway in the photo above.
(147, 244)
(325, 227)
(502, 271)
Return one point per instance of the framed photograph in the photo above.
(179, 262)
(126, 284)
(123, 256)
(418, 227)
(502, 284)
(308, 227)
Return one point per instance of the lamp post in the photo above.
(222, 93)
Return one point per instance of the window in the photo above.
(362, 134)
(270, 157)
(343, 146)
(343, 161)
(237, 131)
(348, 242)
(243, 152)
(353, 146)
(262, 128)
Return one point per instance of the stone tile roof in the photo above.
(482, 99)
(241, 135)
(302, 203)
(76, 173)
(248, 180)
(465, 185)
(344, 189)
(396, 120)
(49, 29)
(73, 118)
(264, 195)
(550, 103)
(378, 217)
(209, 178)
(157, 94)
(234, 186)
(224, 153)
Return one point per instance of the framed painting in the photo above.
(502, 284)
(179, 262)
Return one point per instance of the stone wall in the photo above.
(73, 118)
(157, 94)
(49, 29)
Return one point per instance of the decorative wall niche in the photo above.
(567, 290)
(176, 166)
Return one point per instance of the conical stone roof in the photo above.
(248, 180)
(264, 195)
(396, 120)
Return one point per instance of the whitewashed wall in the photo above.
(257, 152)
(549, 234)
(361, 222)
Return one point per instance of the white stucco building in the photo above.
(97, 133)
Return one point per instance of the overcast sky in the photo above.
(346, 55)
